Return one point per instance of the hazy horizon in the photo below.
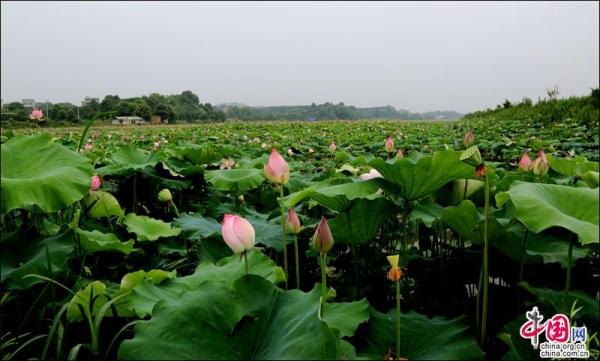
(417, 56)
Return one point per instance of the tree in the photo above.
(143, 110)
(109, 103)
(16, 110)
(125, 108)
(164, 111)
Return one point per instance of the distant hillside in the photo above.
(328, 111)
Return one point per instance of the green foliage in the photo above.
(35, 170)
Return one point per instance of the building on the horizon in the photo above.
(128, 120)
(29, 103)
(88, 100)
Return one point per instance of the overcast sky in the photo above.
(416, 56)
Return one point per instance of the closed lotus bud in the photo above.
(88, 146)
(96, 183)
(322, 239)
(540, 164)
(293, 222)
(471, 156)
(399, 154)
(237, 233)
(389, 145)
(332, 147)
(165, 195)
(469, 139)
(525, 163)
(276, 169)
(373, 173)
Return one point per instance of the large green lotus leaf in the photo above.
(96, 291)
(96, 241)
(32, 256)
(37, 171)
(129, 160)
(335, 197)
(421, 338)
(200, 154)
(234, 179)
(360, 223)
(561, 302)
(227, 270)
(156, 276)
(519, 347)
(541, 247)
(197, 227)
(103, 204)
(149, 229)
(250, 320)
(453, 192)
(591, 178)
(346, 316)
(427, 211)
(419, 175)
(571, 167)
(540, 206)
(267, 232)
(466, 220)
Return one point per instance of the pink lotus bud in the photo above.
(469, 139)
(96, 183)
(293, 223)
(525, 162)
(238, 233)
(276, 169)
(399, 154)
(389, 145)
(88, 146)
(540, 164)
(332, 147)
(36, 114)
(322, 240)
(373, 173)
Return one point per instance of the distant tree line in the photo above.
(177, 107)
(585, 110)
(329, 111)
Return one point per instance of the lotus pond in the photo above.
(352, 240)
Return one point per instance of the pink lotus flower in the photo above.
(293, 223)
(389, 145)
(332, 147)
(322, 239)
(540, 164)
(238, 233)
(36, 114)
(88, 146)
(525, 163)
(227, 163)
(276, 169)
(373, 173)
(469, 139)
(96, 183)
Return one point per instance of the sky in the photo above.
(461, 56)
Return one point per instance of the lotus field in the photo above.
(297, 240)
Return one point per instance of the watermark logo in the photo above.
(562, 341)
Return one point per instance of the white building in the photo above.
(29, 103)
(128, 121)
